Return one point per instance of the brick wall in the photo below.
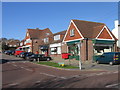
(83, 51)
(90, 50)
(64, 48)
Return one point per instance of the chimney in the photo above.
(116, 23)
(37, 28)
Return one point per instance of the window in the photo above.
(57, 37)
(45, 40)
(47, 33)
(72, 32)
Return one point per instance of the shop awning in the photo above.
(73, 42)
(104, 41)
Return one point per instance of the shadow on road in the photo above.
(3, 61)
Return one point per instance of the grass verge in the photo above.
(53, 64)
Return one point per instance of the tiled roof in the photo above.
(38, 34)
(88, 29)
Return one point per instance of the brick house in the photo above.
(34, 38)
(85, 39)
(56, 44)
(13, 43)
(52, 45)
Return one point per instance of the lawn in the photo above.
(53, 64)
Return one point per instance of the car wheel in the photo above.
(97, 62)
(48, 59)
(111, 63)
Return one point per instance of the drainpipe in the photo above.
(86, 48)
(32, 45)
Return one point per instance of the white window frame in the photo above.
(46, 40)
(72, 32)
(47, 34)
(56, 37)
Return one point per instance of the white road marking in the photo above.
(22, 67)
(48, 74)
(14, 65)
(53, 75)
(37, 82)
(28, 69)
(112, 85)
(13, 84)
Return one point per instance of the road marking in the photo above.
(48, 74)
(14, 65)
(37, 82)
(13, 84)
(112, 85)
(53, 75)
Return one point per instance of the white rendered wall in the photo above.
(115, 30)
(119, 36)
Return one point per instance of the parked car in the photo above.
(110, 57)
(17, 53)
(40, 57)
(26, 55)
(9, 52)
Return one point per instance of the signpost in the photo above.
(80, 63)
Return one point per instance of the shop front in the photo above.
(27, 48)
(44, 49)
(102, 46)
(74, 49)
(55, 49)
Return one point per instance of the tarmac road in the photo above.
(19, 73)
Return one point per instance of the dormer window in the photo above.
(46, 40)
(72, 32)
(57, 37)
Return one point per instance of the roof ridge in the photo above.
(87, 21)
(60, 31)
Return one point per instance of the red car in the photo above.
(17, 52)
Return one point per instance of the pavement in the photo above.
(88, 65)
(24, 74)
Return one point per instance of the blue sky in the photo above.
(18, 16)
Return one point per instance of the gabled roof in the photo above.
(87, 28)
(38, 33)
(62, 33)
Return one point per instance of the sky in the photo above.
(18, 16)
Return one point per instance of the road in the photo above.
(18, 73)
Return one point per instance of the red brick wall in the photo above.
(105, 35)
(83, 51)
(76, 36)
(90, 50)
(64, 48)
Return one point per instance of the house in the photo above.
(56, 44)
(85, 39)
(116, 32)
(52, 45)
(13, 43)
(34, 38)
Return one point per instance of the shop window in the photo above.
(99, 50)
(72, 32)
(54, 50)
(57, 37)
